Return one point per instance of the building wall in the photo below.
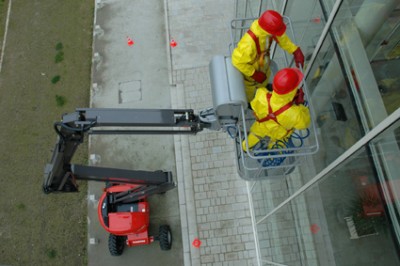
(344, 49)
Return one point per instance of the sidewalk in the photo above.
(132, 76)
(212, 199)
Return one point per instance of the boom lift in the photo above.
(123, 209)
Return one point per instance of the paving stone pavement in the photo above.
(211, 194)
(214, 204)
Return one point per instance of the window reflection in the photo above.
(342, 220)
(352, 216)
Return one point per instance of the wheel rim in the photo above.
(169, 237)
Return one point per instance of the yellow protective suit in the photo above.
(295, 117)
(246, 59)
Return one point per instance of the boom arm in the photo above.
(60, 175)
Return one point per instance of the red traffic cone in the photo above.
(314, 228)
(196, 243)
(316, 20)
(130, 41)
(173, 43)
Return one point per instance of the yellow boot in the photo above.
(252, 140)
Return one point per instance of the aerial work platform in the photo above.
(233, 116)
(232, 113)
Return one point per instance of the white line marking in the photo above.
(3, 47)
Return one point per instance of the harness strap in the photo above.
(261, 55)
(272, 115)
(255, 39)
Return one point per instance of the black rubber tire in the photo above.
(116, 244)
(165, 237)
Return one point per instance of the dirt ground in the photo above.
(39, 229)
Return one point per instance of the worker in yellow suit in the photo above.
(251, 56)
(280, 112)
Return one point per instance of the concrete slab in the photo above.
(132, 76)
(119, 63)
(201, 30)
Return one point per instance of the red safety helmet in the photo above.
(272, 22)
(286, 80)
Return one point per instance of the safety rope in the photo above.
(294, 141)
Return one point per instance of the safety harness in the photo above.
(262, 54)
(273, 115)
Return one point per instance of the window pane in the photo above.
(386, 156)
(350, 217)
(367, 34)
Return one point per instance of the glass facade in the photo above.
(341, 205)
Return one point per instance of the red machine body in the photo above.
(129, 219)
